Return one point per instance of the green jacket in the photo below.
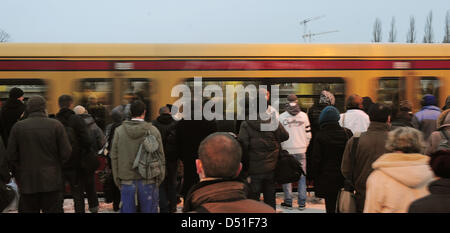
(125, 145)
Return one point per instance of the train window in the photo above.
(391, 90)
(30, 87)
(429, 85)
(95, 94)
(307, 90)
(137, 88)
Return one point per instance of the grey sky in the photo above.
(212, 21)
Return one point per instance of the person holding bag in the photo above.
(329, 145)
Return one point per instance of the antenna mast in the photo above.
(310, 35)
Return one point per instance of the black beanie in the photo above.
(36, 104)
(15, 93)
(379, 112)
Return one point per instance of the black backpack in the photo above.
(288, 168)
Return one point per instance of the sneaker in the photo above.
(301, 208)
(286, 206)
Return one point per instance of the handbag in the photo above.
(346, 199)
(288, 169)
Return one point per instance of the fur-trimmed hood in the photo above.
(412, 170)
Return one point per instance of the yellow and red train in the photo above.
(114, 72)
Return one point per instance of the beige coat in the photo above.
(397, 180)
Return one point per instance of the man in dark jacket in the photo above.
(11, 112)
(402, 117)
(439, 199)
(425, 119)
(37, 148)
(219, 191)
(262, 149)
(88, 176)
(167, 190)
(370, 147)
(189, 134)
(80, 140)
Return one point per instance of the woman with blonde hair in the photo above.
(401, 176)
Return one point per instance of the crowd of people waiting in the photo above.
(393, 160)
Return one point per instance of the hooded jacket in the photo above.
(355, 120)
(296, 123)
(223, 196)
(425, 120)
(261, 147)
(398, 179)
(126, 142)
(443, 124)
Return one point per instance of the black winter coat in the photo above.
(261, 147)
(189, 134)
(96, 133)
(10, 114)
(329, 146)
(313, 115)
(165, 125)
(37, 148)
(84, 142)
(437, 202)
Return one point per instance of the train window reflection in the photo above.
(30, 87)
(429, 85)
(137, 88)
(391, 90)
(96, 96)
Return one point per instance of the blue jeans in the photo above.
(148, 195)
(301, 188)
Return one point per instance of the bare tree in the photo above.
(428, 37)
(4, 36)
(411, 35)
(377, 31)
(447, 28)
(393, 31)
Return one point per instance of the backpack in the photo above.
(288, 168)
(150, 161)
(444, 142)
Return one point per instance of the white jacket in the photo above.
(355, 120)
(397, 181)
(299, 131)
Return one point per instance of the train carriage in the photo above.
(113, 73)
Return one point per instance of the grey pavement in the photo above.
(312, 205)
